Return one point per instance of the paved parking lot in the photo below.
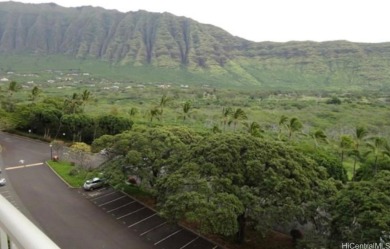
(144, 222)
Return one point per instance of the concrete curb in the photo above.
(62, 179)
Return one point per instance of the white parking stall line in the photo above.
(153, 228)
(142, 220)
(189, 243)
(120, 207)
(215, 247)
(112, 201)
(100, 196)
(130, 213)
(32, 165)
(14, 167)
(158, 242)
(23, 166)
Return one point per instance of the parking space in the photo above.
(145, 222)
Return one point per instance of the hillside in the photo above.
(164, 47)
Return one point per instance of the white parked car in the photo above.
(94, 183)
(2, 181)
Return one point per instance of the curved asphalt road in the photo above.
(66, 217)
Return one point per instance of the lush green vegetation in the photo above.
(73, 175)
(233, 137)
(229, 162)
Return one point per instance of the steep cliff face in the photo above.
(134, 37)
(163, 40)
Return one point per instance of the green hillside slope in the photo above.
(146, 46)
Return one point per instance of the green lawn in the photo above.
(74, 176)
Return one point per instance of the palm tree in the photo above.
(12, 88)
(71, 104)
(35, 93)
(155, 113)
(253, 128)
(237, 116)
(186, 110)
(376, 147)
(293, 126)
(85, 96)
(226, 113)
(319, 136)
(359, 137)
(163, 102)
(345, 145)
(282, 123)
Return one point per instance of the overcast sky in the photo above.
(271, 20)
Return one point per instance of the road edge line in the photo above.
(62, 179)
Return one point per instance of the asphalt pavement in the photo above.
(75, 219)
(145, 222)
(69, 219)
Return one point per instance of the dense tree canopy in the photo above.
(361, 211)
(253, 181)
(148, 153)
(237, 178)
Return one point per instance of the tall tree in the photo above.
(359, 138)
(85, 97)
(376, 148)
(72, 105)
(282, 124)
(229, 181)
(44, 118)
(319, 136)
(345, 146)
(155, 113)
(13, 87)
(9, 104)
(226, 114)
(163, 102)
(253, 128)
(361, 213)
(77, 124)
(148, 153)
(293, 126)
(187, 106)
(35, 93)
(237, 116)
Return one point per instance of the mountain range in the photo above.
(169, 48)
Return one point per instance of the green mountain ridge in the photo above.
(182, 48)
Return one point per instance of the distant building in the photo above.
(164, 86)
